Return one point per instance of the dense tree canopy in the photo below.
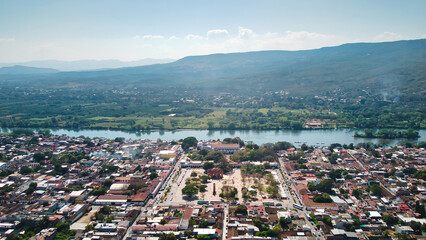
(190, 190)
(208, 165)
(189, 142)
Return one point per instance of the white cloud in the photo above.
(236, 40)
(293, 40)
(193, 37)
(245, 33)
(388, 36)
(7, 39)
(217, 33)
(246, 40)
(303, 35)
(148, 37)
(152, 37)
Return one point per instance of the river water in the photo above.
(320, 137)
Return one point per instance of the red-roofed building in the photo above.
(122, 179)
(56, 218)
(139, 228)
(140, 198)
(184, 223)
(115, 192)
(111, 200)
(215, 173)
(256, 210)
(225, 148)
(167, 227)
(403, 207)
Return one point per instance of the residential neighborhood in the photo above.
(60, 187)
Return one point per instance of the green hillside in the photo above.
(353, 85)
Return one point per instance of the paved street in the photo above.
(293, 197)
(225, 221)
(145, 211)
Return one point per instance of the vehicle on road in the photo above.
(297, 206)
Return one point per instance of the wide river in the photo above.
(323, 137)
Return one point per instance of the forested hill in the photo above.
(363, 85)
(396, 69)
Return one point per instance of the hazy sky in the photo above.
(130, 30)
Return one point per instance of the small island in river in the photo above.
(388, 134)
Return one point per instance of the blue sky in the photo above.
(131, 30)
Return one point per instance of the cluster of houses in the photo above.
(112, 189)
(355, 210)
(75, 177)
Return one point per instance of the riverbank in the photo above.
(317, 137)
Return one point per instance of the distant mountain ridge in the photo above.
(84, 65)
(395, 68)
(24, 70)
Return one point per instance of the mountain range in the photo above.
(84, 65)
(397, 68)
(25, 70)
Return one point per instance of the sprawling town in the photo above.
(59, 187)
